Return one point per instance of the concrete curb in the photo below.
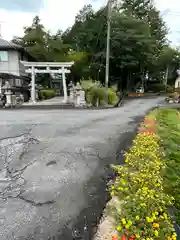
(56, 107)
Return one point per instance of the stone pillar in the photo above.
(64, 85)
(33, 90)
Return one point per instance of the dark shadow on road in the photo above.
(98, 196)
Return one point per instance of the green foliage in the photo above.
(169, 131)
(158, 87)
(47, 94)
(88, 84)
(112, 96)
(138, 44)
(96, 93)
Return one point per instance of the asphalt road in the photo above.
(57, 163)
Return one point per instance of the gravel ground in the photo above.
(54, 166)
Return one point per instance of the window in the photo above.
(18, 82)
(3, 56)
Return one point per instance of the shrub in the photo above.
(112, 96)
(169, 89)
(96, 94)
(47, 93)
(87, 84)
(156, 87)
(139, 188)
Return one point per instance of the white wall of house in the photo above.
(10, 64)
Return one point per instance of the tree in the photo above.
(137, 44)
(132, 45)
(41, 44)
(146, 11)
(167, 63)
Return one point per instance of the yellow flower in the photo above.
(137, 217)
(123, 221)
(149, 220)
(130, 222)
(156, 233)
(119, 228)
(137, 236)
(127, 226)
(174, 236)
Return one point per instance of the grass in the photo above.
(168, 127)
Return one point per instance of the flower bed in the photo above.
(139, 188)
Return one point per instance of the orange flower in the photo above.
(156, 225)
(114, 238)
(123, 237)
(132, 238)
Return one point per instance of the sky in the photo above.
(60, 14)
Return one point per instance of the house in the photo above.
(11, 68)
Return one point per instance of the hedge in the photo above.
(98, 94)
(47, 94)
(139, 188)
(159, 87)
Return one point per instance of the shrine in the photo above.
(47, 67)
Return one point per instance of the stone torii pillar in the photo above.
(33, 89)
(64, 85)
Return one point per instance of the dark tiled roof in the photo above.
(4, 44)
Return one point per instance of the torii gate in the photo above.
(32, 67)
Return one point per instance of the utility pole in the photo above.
(108, 47)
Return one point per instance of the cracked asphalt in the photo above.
(54, 167)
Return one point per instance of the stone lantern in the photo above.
(79, 96)
(8, 93)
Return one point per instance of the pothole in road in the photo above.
(51, 163)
